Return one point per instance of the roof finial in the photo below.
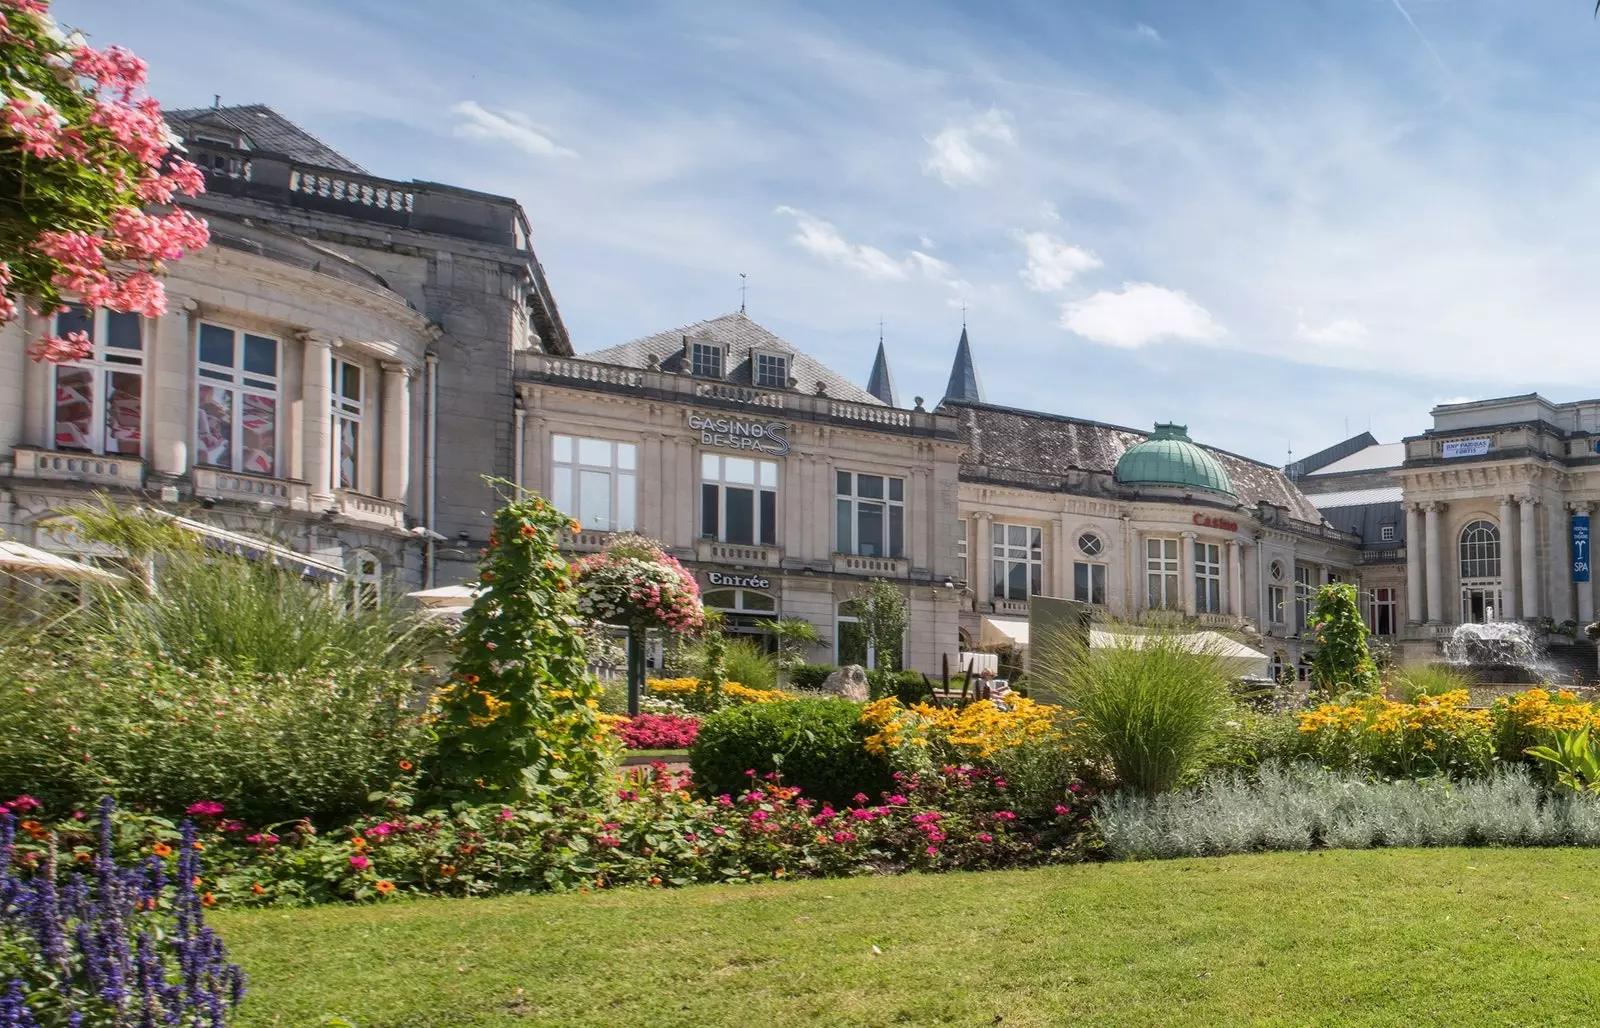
(963, 315)
(742, 282)
(216, 100)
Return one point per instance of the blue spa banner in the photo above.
(1580, 547)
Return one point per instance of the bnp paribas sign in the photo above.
(770, 437)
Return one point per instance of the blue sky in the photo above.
(1266, 219)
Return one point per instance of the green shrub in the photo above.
(1248, 738)
(743, 661)
(1149, 703)
(906, 686)
(1341, 662)
(811, 676)
(94, 719)
(817, 745)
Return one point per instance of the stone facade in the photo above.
(371, 325)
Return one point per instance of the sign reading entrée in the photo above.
(1580, 547)
(1465, 448)
(738, 581)
(741, 434)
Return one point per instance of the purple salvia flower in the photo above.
(14, 1012)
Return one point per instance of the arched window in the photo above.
(1480, 571)
(366, 579)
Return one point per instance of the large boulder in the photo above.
(849, 682)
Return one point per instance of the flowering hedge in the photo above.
(82, 155)
(696, 693)
(1435, 735)
(651, 831)
(1531, 718)
(926, 735)
(635, 582)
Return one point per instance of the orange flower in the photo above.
(447, 869)
(778, 873)
(358, 844)
(470, 679)
(487, 576)
(199, 845)
(257, 888)
(654, 880)
(384, 886)
(576, 527)
(161, 849)
(197, 881)
(406, 765)
(208, 900)
(82, 858)
(529, 531)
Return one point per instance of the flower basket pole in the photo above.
(636, 637)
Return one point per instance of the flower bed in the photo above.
(653, 831)
(695, 690)
(658, 731)
(1435, 735)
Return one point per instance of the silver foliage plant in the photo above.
(1300, 806)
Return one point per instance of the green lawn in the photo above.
(1415, 937)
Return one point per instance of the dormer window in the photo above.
(772, 371)
(705, 360)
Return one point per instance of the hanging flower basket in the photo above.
(637, 584)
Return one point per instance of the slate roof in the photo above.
(263, 129)
(880, 383)
(1032, 449)
(1372, 458)
(1338, 451)
(964, 383)
(1356, 497)
(739, 336)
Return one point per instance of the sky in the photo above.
(1279, 223)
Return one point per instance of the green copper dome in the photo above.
(1169, 458)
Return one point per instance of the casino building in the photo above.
(784, 486)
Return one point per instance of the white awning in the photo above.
(257, 549)
(1240, 659)
(458, 597)
(19, 558)
(1004, 632)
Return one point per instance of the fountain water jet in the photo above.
(1497, 653)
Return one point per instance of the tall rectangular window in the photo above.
(1302, 597)
(1161, 575)
(1276, 612)
(738, 500)
(236, 402)
(100, 400)
(1018, 558)
(961, 549)
(1208, 578)
(772, 371)
(349, 403)
(1382, 610)
(1088, 582)
(705, 360)
(870, 514)
(593, 480)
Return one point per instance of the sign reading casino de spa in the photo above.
(770, 437)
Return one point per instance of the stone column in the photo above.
(1138, 574)
(397, 432)
(1560, 563)
(1436, 612)
(1528, 543)
(1508, 562)
(982, 557)
(1236, 586)
(1058, 557)
(170, 383)
(1585, 589)
(1416, 547)
(1186, 573)
(316, 393)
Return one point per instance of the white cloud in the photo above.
(1052, 264)
(477, 122)
(955, 155)
(823, 239)
(1048, 212)
(1146, 32)
(1140, 314)
(1343, 332)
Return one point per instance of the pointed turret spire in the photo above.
(964, 383)
(880, 383)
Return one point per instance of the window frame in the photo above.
(346, 412)
(103, 361)
(365, 586)
(783, 361)
(963, 547)
(848, 508)
(238, 383)
(763, 528)
(1207, 577)
(714, 352)
(1384, 598)
(618, 474)
(1165, 566)
(1006, 556)
(1084, 591)
(1304, 590)
(1097, 548)
(1386, 533)
(1277, 605)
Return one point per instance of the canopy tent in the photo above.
(253, 548)
(19, 558)
(446, 600)
(1241, 660)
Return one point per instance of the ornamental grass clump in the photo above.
(117, 946)
(520, 715)
(1147, 703)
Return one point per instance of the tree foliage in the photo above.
(881, 608)
(82, 155)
